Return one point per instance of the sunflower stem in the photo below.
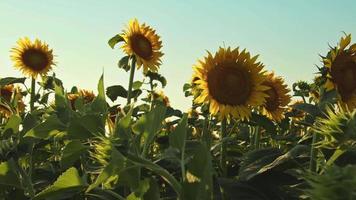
(132, 73)
(257, 137)
(313, 151)
(33, 94)
(206, 133)
(223, 148)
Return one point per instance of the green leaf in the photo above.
(123, 126)
(116, 91)
(114, 40)
(153, 192)
(148, 125)
(138, 194)
(12, 125)
(66, 185)
(178, 136)
(8, 175)
(111, 171)
(198, 183)
(310, 109)
(84, 127)
(137, 85)
(51, 127)
(99, 104)
(156, 77)
(159, 171)
(253, 161)
(263, 121)
(72, 152)
(11, 80)
(124, 63)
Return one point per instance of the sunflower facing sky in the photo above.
(32, 58)
(341, 65)
(143, 42)
(231, 81)
(278, 98)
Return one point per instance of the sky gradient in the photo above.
(288, 35)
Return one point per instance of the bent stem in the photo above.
(132, 73)
(33, 94)
(223, 147)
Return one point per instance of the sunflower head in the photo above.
(338, 128)
(88, 97)
(142, 42)
(6, 92)
(32, 58)
(231, 82)
(5, 110)
(341, 71)
(278, 97)
(159, 96)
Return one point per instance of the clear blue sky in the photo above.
(288, 35)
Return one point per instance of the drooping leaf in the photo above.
(114, 40)
(11, 80)
(116, 91)
(124, 63)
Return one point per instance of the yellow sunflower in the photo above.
(231, 81)
(278, 98)
(88, 97)
(5, 110)
(143, 42)
(32, 58)
(341, 65)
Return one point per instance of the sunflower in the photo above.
(341, 71)
(278, 98)
(142, 42)
(159, 96)
(32, 58)
(6, 92)
(88, 97)
(231, 81)
(5, 110)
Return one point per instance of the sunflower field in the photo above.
(247, 134)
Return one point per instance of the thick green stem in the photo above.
(206, 133)
(313, 151)
(257, 137)
(33, 94)
(223, 147)
(132, 73)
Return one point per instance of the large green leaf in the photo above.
(12, 126)
(66, 185)
(123, 126)
(51, 127)
(178, 136)
(198, 183)
(84, 127)
(72, 152)
(148, 125)
(116, 91)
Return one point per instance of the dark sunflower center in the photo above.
(229, 85)
(343, 73)
(141, 46)
(272, 101)
(35, 59)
